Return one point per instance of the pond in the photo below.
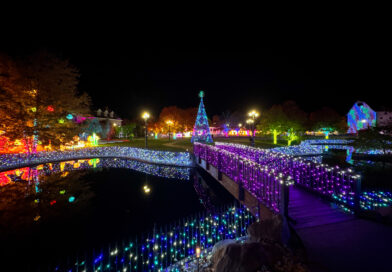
(60, 209)
(375, 172)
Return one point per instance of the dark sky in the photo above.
(129, 78)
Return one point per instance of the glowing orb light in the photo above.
(71, 199)
(69, 116)
(146, 189)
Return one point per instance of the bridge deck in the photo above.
(336, 241)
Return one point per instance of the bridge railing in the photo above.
(332, 182)
(265, 183)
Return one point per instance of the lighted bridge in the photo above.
(312, 196)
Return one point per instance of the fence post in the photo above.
(284, 211)
(219, 166)
(284, 199)
(357, 194)
(207, 163)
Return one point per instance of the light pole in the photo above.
(253, 114)
(250, 123)
(145, 116)
(169, 122)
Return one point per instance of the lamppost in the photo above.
(169, 123)
(253, 115)
(145, 116)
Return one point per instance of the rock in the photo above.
(247, 257)
(221, 244)
(219, 249)
(275, 252)
(385, 211)
(269, 229)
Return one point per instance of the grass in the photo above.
(186, 145)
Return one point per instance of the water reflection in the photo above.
(31, 195)
(31, 174)
(58, 208)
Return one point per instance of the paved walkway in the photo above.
(336, 241)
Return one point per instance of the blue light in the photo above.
(71, 199)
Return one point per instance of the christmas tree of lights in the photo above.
(201, 131)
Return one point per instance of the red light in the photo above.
(53, 202)
(50, 108)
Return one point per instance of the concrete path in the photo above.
(336, 241)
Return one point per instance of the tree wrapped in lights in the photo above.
(36, 96)
(201, 130)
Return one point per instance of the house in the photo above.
(104, 116)
(361, 116)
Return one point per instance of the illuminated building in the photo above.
(360, 117)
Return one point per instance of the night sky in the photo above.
(129, 78)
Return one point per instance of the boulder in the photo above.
(219, 249)
(269, 229)
(247, 257)
(385, 211)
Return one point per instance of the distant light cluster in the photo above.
(300, 150)
(10, 161)
(318, 146)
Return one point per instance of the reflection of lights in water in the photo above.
(146, 189)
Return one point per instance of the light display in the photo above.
(12, 161)
(93, 139)
(261, 180)
(302, 149)
(319, 178)
(275, 133)
(327, 131)
(168, 244)
(201, 131)
(69, 116)
(360, 116)
(291, 136)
